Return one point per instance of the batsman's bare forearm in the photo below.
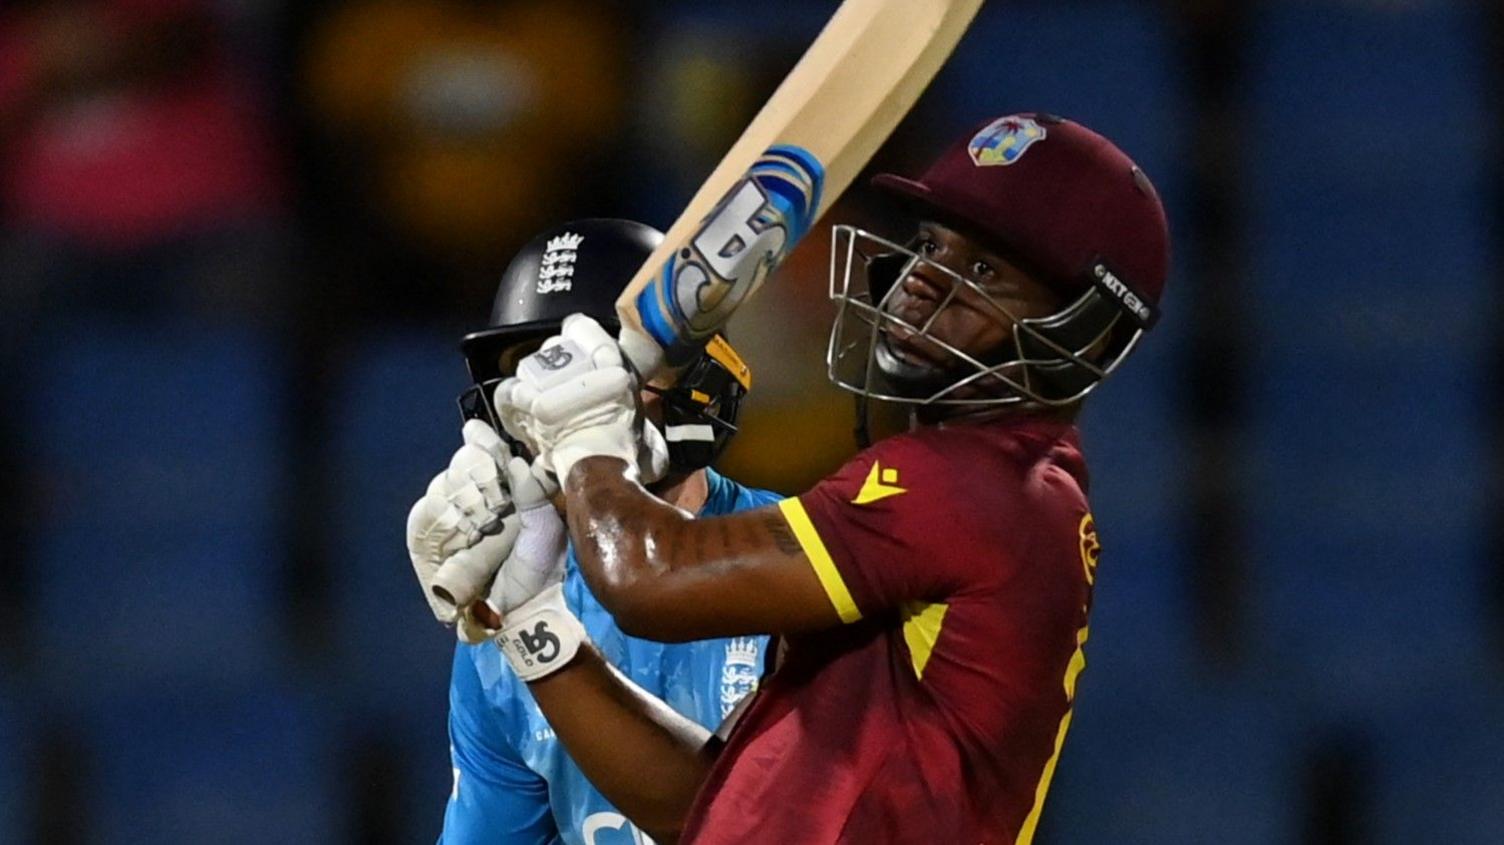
(668, 576)
(647, 760)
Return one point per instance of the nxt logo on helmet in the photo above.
(1119, 290)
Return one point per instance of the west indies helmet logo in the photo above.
(1005, 141)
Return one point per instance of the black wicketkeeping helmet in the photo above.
(580, 267)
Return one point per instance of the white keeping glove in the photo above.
(577, 397)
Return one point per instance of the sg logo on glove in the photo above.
(554, 357)
(558, 362)
(541, 645)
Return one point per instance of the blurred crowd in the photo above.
(239, 240)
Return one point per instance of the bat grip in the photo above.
(644, 352)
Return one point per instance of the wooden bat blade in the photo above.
(822, 125)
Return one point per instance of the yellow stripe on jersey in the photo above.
(819, 558)
(1072, 672)
(921, 628)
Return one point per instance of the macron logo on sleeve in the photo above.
(880, 484)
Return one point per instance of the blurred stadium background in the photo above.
(239, 239)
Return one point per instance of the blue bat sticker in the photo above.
(748, 234)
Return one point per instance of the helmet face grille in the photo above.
(1051, 361)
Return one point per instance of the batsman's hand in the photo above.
(464, 525)
(534, 562)
(482, 512)
(577, 397)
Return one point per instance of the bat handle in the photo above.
(644, 352)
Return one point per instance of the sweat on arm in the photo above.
(668, 576)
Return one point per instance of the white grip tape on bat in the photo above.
(553, 365)
(542, 636)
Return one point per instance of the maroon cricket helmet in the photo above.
(1055, 194)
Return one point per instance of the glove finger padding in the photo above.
(513, 402)
(595, 341)
(464, 525)
(592, 398)
(480, 434)
(431, 534)
(529, 489)
(437, 529)
(577, 397)
(464, 576)
(474, 485)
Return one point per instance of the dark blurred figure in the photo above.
(448, 130)
(137, 170)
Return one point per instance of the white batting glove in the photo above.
(539, 634)
(576, 397)
(465, 524)
(536, 558)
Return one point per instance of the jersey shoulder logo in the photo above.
(1005, 141)
(880, 484)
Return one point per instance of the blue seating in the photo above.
(179, 765)
(15, 762)
(1369, 229)
(1368, 267)
(1370, 283)
(1436, 774)
(1133, 437)
(163, 425)
(396, 425)
(1185, 765)
(1142, 629)
(159, 550)
(1109, 65)
(1368, 90)
(118, 609)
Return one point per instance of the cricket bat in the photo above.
(822, 125)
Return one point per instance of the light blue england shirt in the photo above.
(514, 784)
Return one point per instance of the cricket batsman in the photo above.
(933, 595)
(514, 782)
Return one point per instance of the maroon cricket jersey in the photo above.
(961, 560)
